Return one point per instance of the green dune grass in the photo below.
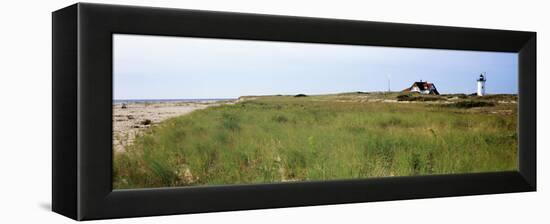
(285, 138)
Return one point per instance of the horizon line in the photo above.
(232, 98)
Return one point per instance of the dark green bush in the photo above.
(470, 104)
(280, 119)
(416, 97)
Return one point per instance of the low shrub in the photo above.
(411, 97)
(470, 104)
(280, 119)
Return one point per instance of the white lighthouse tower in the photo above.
(481, 85)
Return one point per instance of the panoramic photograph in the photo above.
(205, 111)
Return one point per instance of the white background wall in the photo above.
(25, 112)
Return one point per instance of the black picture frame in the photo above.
(82, 104)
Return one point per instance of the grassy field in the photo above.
(326, 137)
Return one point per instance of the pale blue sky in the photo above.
(158, 67)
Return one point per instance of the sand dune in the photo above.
(137, 117)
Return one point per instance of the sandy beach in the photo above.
(133, 118)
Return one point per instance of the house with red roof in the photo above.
(422, 87)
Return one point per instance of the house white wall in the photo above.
(417, 90)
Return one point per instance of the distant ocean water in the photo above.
(119, 101)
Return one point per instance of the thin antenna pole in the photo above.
(389, 83)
